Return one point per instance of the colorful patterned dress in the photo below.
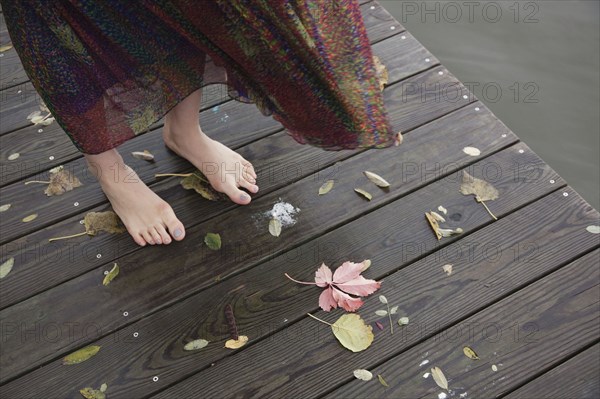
(108, 69)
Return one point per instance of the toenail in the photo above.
(244, 197)
(177, 232)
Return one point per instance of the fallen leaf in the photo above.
(198, 182)
(364, 193)
(213, 241)
(382, 381)
(434, 225)
(13, 156)
(143, 155)
(29, 218)
(346, 280)
(472, 151)
(96, 222)
(4, 207)
(275, 227)
(5, 47)
(382, 73)
(482, 190)
(398, 139)
(381, 312)
(403, 321)
(447, 269)
(394, 310)
(91, 393)
(37, 118)
(450, 232)
(352, 332)
(366, 264)
(6, 267)
(111, 275)
(437, 216)
(383, 299)
(81, 355)
(439, 378)
(378, 180)
(379, 325)
(494, 367)
(103, 387)
(443, 210)
(326, 187)
(195, 344)
(470, 353)
(61, 181)
(236, 343)
(362, 374)
(594, 229)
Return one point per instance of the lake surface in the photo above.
(535, 64)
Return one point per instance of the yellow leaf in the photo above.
(5, 47)
(103, 387)
(13, 156)
(470, 353)
(364, 193)
(434, 225)
(6, 267)
(378, 180)
(275, 227)
(439, 378)
(382, 381)
(81, 355)
(366, 264)
(326, 187)
(236, 343)
(472, 151)
(29, 218)
(352, 332)
(4, 207)
(111, 275)
(91, 393)
(196, 344)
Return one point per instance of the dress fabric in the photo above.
(108, 69)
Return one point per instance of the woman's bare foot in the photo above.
(226, 170)
(147, 217)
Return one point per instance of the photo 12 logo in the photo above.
(470, 11)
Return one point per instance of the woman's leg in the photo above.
(226, 170)
(146, 216)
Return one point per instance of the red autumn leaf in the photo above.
(346, 280)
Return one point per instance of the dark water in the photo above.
(535, 64)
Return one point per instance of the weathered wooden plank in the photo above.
(20, 99)
(528, 331)
(575, 378)
(285, 164)
(402, 57)
(12, 70)
(160, 283)
(306, 360)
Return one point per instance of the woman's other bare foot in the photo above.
(226, 170)
(147, 217)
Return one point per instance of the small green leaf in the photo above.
(81, 355)
(111, 275)
(382, 381)
(213, 241)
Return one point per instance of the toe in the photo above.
(166, 238)
(173, 224)
(155, 235)
(139, 240)
(249, 170)
(236, 195)
(148, 237)
(253, 188)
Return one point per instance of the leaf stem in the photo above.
(488, 209)
(65, 237)
(322, 321)
(299, 282)
(37, 181)
(173, 174)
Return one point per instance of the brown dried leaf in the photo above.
(61, 181)
(398, 139)
(197, 182)
(482, 190)
(108, 221)
(434, 225)
(382, 73)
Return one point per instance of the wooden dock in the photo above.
(523, 293)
